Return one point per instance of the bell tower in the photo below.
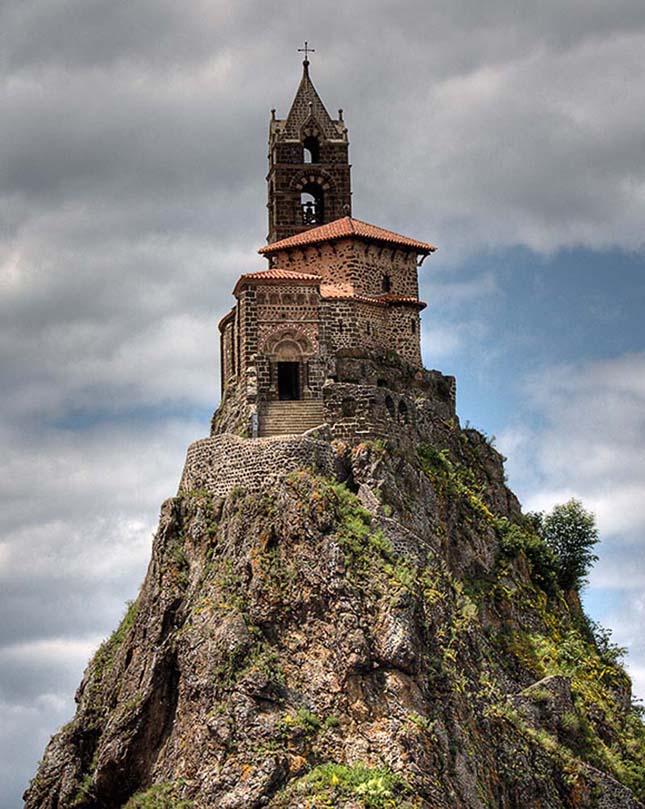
(309, 171)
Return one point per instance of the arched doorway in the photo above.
(288, 352)
(288, 381)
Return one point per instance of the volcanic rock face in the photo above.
(386, 635)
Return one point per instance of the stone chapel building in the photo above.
(330, 331)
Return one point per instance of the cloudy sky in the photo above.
(132, 164)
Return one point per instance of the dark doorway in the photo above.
(288, 380)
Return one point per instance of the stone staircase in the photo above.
(290, 418)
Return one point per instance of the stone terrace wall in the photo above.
(222, 463)
(366, 412)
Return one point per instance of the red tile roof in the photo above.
(275, 274)
(346, 228)
(380, 300)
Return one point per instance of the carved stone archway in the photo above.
(287, 351)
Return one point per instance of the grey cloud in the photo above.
(58, 661)
(25, 734)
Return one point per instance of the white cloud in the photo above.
(593, 442)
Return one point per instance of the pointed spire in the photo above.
(306, 105)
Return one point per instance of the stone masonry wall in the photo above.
(221, 463)
(359, 412)
(226, 354)
(282, 306)
(354, 266)
(372, 327)
(403, 327)
(390, 371)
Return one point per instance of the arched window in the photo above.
(413, 326)
(386, 283)
(312, 204)
(311, 149)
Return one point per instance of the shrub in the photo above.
(544, 563)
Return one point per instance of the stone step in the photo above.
(292, 407)
(289, 417)
(284, 429)
(291, 422)
(295, 422)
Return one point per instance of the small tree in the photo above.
(570, 530)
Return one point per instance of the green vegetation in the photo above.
(521, 539)
(598, 685)
(366, 549)
(601, 731)
(329, 784)
(180, 564)
(514, 538)
(303, 719)
(104, 657)
(84, 793)
(160, 796)
(570, 531)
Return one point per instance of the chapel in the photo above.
(337, 303)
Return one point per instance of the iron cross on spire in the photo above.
(306, 50)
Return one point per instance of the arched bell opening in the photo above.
(312, 204)
(311, 149)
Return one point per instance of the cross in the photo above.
(306, 50)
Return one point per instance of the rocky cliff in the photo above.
(384, 630)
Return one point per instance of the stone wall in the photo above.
(403, 332)
(354, 265)
(356, 412)
(224, 462)
(387, 369)
(281, 306)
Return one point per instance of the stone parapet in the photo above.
(224, 462)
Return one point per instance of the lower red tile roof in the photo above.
(380, 300)
(347, 227)
(275, 274)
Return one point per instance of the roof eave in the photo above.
(270, 249)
